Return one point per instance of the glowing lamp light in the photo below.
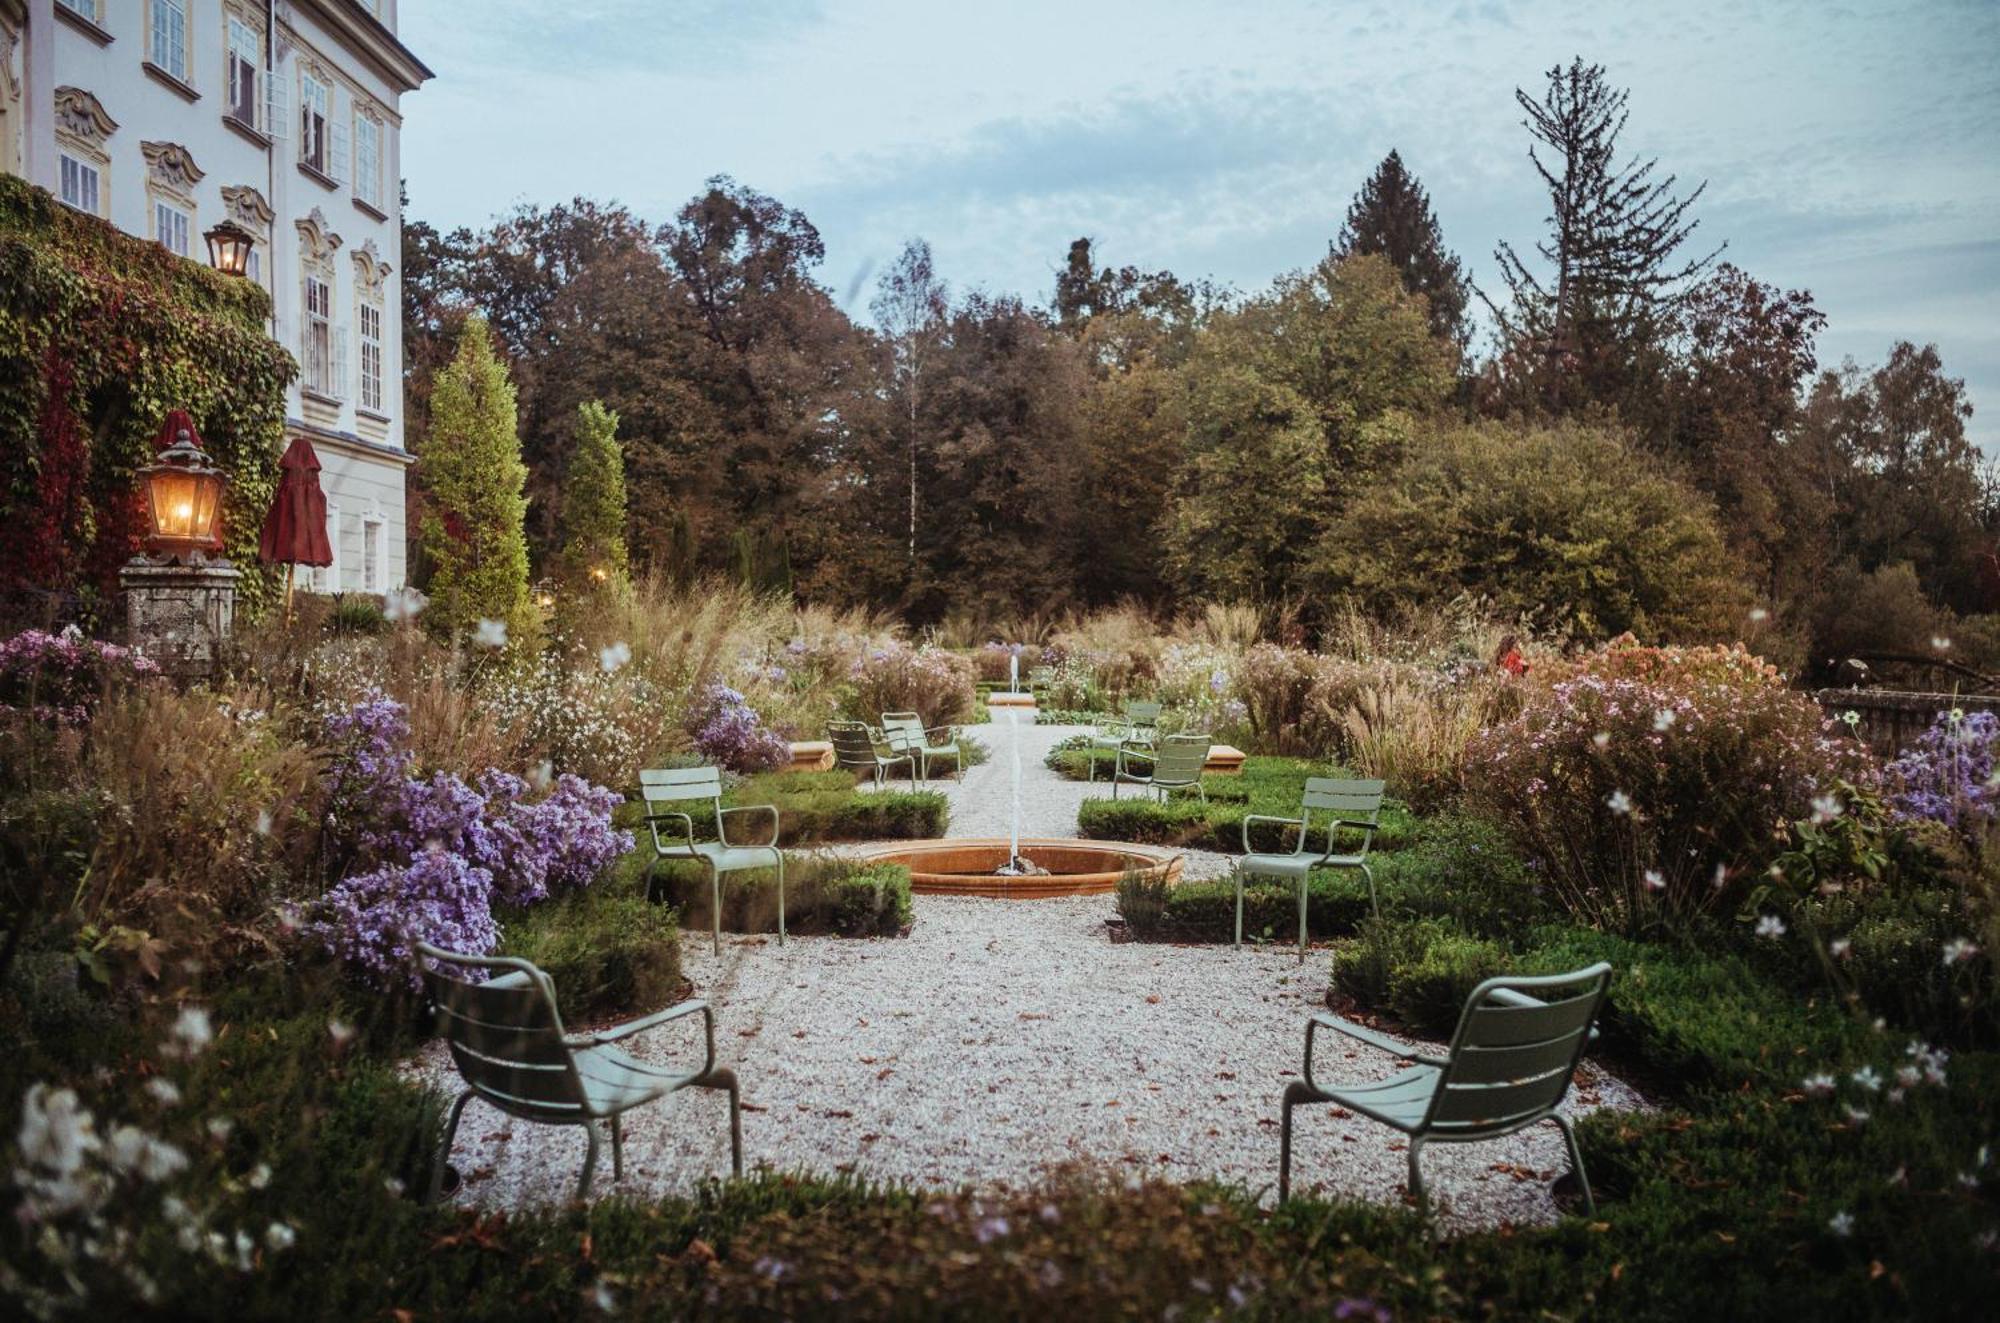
(229, 247)
(599, 573)
(183, 499)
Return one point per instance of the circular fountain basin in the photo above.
(1075, 868)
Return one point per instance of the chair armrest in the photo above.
(1360, 1034)
(950, 733)
(723, 836)
(653, 821)
(1333, 826)
(619, 1033)
(1265, 817)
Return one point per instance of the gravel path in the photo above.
(1002, 1037)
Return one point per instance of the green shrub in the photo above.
(354, 613)
(1467, 870)
(1142, 901)
(1420, 968)
(814, 807)
(823, 894)
(1267, 787)
(608, 950)
(1206, 911)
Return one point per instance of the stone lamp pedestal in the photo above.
(180, 615)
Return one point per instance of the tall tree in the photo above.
(910, 308)
(1391, 215)
(469, 464)
(1593, 331)
(594, 562)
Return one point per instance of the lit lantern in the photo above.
(183, 499)
(229, 247)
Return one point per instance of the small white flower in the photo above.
(1839, 947)
(1051, 1214)
(220, 1127)
(57, 1131)
(191, 1033)
(1602, 739)
(1619, 802)
(163, 1091)
(1770, 926)
(1841, 1224)
(340, 1031)
(1655, 881)
(1721, 879)
(990, 1229)
(263, 822)
(615, 656)
(1857, 1116)
(1957, 950)
(260, 1176)
(1825, 808)
(279, 1236)
(134, 1151)
(404, 604)
(394, 1185)
(541, 774)
(1899, 1177)
(1969, 1180)
(1851, 717)
(1868, 1078)
(1818, 1086)
(1940, 642)
(490, 634)
(1758, 615)
(1663, 719)
(601, 1296)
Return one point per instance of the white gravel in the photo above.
(1002, 1037)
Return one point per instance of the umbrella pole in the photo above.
(290, 569)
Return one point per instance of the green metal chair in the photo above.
(1353, 804)
(858, 748)
(1510, 1062)
(1176, 765)
(1138, 728)
(679, 785)
(906, 733)
(507, 1039)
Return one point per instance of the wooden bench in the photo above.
(812, 756)
(1223, 760)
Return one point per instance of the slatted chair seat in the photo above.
(907, 734)
(507, 1039)
(692, 785)
(1348, 804)
(1509, 1066)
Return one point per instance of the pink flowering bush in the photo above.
(61, 677)
(1651, 782)
(934, 683)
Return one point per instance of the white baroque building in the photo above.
(167, 116)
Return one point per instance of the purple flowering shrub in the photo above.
(1947, 774)
(61, 677)
(1637, 778)
(373, 921)
(504, 845)
(729, 733)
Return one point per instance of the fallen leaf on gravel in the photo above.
(752, 1107)
(885, 1072)
(839, 1114)
(1032, 1015)
(1225, 1074)
(1152, 999)
(870, 1138)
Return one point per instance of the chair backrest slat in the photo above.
(667, 785)
(1514, 1053)
(1181, 758)
(1144, 712)
(903, 730)
(851, 743)
(506, 1035)
(1344, 798)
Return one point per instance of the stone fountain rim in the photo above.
(1152, 859)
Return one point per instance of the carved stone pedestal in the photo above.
(180, 615)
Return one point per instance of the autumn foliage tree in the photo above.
(469, 465)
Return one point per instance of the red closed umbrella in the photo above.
(295, 528)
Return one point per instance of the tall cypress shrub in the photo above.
(593, 561)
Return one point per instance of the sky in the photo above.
(1850, 149)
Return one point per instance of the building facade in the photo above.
(165, 117)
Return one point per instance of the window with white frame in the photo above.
(253, 265)
(371, 356)
(80, 181)
(368, 159)
(314, 98)
(319, 334)
(171, 224)
(371, 554)
(87, 8)
(169, 46)
(246, 74)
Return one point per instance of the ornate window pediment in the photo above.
(317, 243)
(170, 166)
(81, 116)
(370, 271)
(247, 207)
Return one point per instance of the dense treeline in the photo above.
(1648, 442)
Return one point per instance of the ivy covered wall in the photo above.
(100, 335)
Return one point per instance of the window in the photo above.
(368, 160)
(87, 8)
(319, 335)
(246, 60)
(170, 227)
(169, 48)
(371, 555)
(371, 356)
(79, 184)
(313, 122)
(254, 266)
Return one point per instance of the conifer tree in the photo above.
(1391, 215)
(469, 465)
(594, 561)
